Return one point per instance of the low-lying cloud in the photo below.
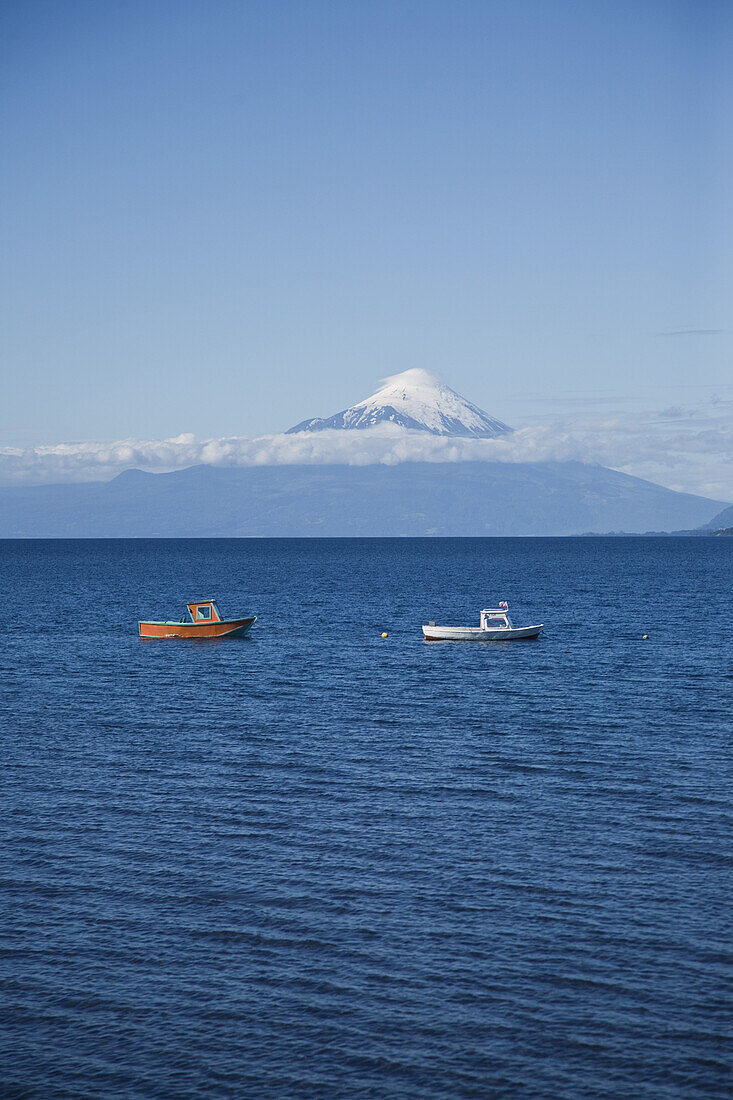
(693, 459)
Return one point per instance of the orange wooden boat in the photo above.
(205, 622)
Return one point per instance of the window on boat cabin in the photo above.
(203, 612)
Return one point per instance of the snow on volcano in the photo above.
(417, 400)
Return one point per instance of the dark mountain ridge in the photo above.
(410, 499)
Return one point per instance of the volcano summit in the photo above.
(417, 400)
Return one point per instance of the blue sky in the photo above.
(220, 218)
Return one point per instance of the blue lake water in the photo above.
(315, 863)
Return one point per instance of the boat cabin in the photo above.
(496, 618)
(204, 611)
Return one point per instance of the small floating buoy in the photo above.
(385, 635)
(645, 637)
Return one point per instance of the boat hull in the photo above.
(476, 634)
(233, 628)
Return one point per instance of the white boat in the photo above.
(495, 626)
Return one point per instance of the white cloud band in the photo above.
(696, 459)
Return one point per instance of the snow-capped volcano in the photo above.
(414, 399)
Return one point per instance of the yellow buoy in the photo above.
(645, 637)
(385, 635)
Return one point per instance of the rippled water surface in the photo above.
(315, 863)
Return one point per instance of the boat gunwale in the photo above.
(204, 624)
(479, 634)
